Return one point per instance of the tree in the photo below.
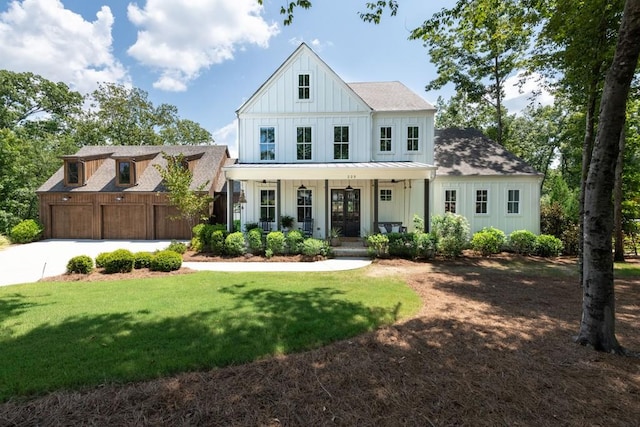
(597, 327)
(192, 203)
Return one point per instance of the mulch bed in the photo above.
(491, 346)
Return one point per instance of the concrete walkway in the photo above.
(31, 262)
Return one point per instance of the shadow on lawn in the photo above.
(88, 350)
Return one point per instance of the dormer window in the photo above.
(74, 173)
(125, 174)
(304, 86)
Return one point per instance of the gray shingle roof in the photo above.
(390, 96)
(207, 168)
(468, 152)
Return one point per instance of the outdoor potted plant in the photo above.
(287, 222)
(334, 236)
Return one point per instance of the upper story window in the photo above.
(482, 200)
(74, 172)
(513, 201)
(385, 138)
(304, 88)
(385, 195)
(267, 143)
(124, 172)
(413, 138)
(450, 199)
(341, 142)
(303, 146)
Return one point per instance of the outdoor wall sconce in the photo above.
(120, 198)
(302, 187)
(66, 198)
(242, 198)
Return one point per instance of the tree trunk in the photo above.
(618, 252)
(597, 327)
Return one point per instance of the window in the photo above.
(125, 173)
(513, 201)
(303, 147)
(267, 143)
(482, 197)
(304, 205)
(304, 88)
(341, 142)
(412, 138)
(450, 201)
(385, 195)
(385, 138)
(267, 205)
(74, 170)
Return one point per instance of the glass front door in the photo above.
(345, 212)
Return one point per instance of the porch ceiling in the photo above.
(342, 171)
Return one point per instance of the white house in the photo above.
(356, 156)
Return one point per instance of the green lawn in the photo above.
(71, 334)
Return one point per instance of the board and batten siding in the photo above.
(497, 188)
(399, 123)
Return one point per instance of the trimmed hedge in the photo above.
(119, 261)
(142, 260)
(166, 261)
(488, 241)
(82, 264)
(26, 231)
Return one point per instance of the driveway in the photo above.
(33, 261)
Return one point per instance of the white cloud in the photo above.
(182, 38)
(518, 96)
(315, 44)
(228, 135)
(43, 37)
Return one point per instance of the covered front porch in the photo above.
(349, 198)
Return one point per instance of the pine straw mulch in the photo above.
(491, 346)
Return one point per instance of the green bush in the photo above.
(452, 234)
(378, 245)
(197, 230)
(548, 246)
(82, 264)
(571, 239)
(294, 240)
(250, 226)
(425, 244)
(119, 261)
(166, 260)
(101, 258)
(522, 242)
(254, 241)
(275, 242)
(402, 245)
(26, 231)
(4, 241)
(313, 247)
(234, 244)
(176, 246)
(488, 241)
(196, 244)
(216, 242)
(142, 260)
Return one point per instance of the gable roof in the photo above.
(390, 96)
(207, 167)
(468, 152)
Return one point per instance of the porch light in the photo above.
(349, 188)
(242, 198)
(65, 198)
(120, 198)
(302, 187)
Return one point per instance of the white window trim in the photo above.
(392, 151)
(390, 195)
(313, 138)
(444, 200)
(506, 198)
(350, 142)
(475, 200)
(297, 86)
(275, 144)
(406, 139)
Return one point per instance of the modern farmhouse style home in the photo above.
(365, 158)
(115, 192)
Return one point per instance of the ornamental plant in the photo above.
(452, 233)
(254, 241)
(82, 264)
(275, 243)
(522, 242)
(234, 244)
(488, 241)
(548, 246)
(166, 261)
(26, 231)
(119, 261)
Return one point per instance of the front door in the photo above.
(345, 212)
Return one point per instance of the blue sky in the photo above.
(208, 56)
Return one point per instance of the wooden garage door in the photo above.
(124, 222)
(72, 221)
(167, 228)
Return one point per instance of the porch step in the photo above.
(350, 248)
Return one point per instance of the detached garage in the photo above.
(115, 192)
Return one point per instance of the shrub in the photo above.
(4, 241)
(452, 234)
(294, 240)
(166, 260)
(425, 244)
(216, 245)
(378, 245)
(234, 244)
(571, 239)
(522, 242)
(101, 258)
(176, 246)
(488, 241)
(82, 264)
(142, 260)
(548, 246)
(275, 242)
(197, 230)
(254, 241)
(402, 245)
(313, 247)
(25, 232)
(196, 244)
(250, 226)
(119, 261)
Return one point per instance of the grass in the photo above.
(625, 269)
(73, 334)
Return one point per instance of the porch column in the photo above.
(230, 205)
(427, 219)
(278, 205)
(375, 205)
(327, 208)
